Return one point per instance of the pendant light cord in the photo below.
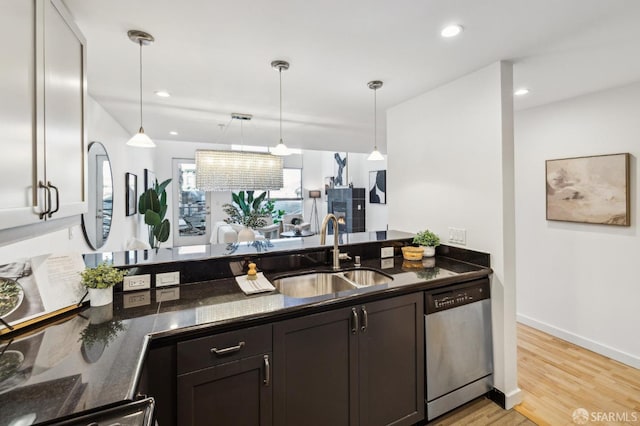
(141, 84)
(280, 74)
(375, 121)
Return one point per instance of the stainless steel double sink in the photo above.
(318, 283)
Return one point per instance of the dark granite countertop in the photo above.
(74, 364)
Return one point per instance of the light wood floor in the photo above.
(557, 377)
(482, 412)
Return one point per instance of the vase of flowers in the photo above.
(100, 281)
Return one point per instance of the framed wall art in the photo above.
(149, 179)
(591, 189)
(378, 187)
(131, 182)
(340, 170)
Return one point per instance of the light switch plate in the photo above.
(386, 252)
(139, 298)
(458, 235)
(167, 278)
(167, 294)
(136, 282)
(386, 263)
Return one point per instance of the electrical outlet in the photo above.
(167, 278)
(139, 298)
(136, 282)
(386, 252)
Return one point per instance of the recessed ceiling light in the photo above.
(521, 91)
(173, 133)
(451, 30)
(162, 93)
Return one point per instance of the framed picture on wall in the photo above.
(131, 182)
(378, 187)
(149, 179)
(591, 189)
(340, 170)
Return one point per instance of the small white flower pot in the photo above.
(246, 234)
(100, 314)
(429, 251)
(100, 296)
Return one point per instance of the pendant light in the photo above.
(280, 149)
(140, 139)
(375, 154)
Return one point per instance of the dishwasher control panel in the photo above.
(459, 295)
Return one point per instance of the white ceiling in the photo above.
(214, 58)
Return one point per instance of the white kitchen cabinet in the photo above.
(42, 104)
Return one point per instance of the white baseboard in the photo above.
(512, 398)
(623, 357)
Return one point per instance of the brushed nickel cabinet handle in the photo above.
(354, 321)
(267, 370)
(365, 319)
(50, 185)
(227, 351)
(47, 202)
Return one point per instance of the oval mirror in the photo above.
(96, 222)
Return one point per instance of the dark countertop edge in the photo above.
(161, 338)
(132, 392)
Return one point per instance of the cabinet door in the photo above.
(17, 114)
(315, 379)
(237, 393)
(63, 68)
(391, 361)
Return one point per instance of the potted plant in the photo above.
(153, 205)
(249, 212)
(428, 240)
(99, 282)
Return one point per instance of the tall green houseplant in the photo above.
(153, 205)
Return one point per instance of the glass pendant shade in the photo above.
(141, 140)
(375, 155)
(280, 150)
(237, 170)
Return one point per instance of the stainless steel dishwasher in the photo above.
(459, 355)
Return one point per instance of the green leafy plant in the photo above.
(101, 333)
(248, 210)
(102, 276)
(153, 205)
(426, 238)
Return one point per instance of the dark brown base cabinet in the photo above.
(228, 394)
(361, 365)
(225, 379)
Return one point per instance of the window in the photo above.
(289, 198)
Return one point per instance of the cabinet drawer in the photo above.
(207, 351)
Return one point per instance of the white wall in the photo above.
(579, 282)
(451, 165)
(103, 128)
